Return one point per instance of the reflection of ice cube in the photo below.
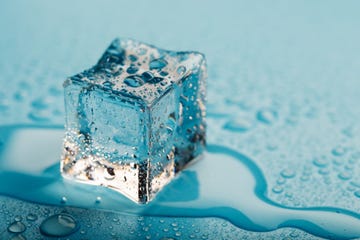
(135, 118)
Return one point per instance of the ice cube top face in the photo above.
(135, 118)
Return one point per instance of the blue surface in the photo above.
(282, 91)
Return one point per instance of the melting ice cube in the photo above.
(135, 118)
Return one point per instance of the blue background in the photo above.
(283, 86)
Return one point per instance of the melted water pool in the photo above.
(224, 183)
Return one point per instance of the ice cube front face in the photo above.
(135, 118)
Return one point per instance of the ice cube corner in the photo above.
(134, 119)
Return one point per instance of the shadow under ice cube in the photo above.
(135, 118)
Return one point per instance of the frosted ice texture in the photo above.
(135, 118)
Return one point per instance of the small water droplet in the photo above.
(355, 183)
(58, 225)
(288, 173)
(147, 76)
(338, 151)
(4, 104)
(320, 162)
(155, 80)
(18, 237)
(181, 70)
(31, 217)
(63, 200)
(39, 115)
(267, 116)
(134, 81)
(16, 227)
(41, 103)
(345, 176)
(108, 84)
(157, 63)
(133, 58)
(20, 96)
(55, 91)
(109, 173)
(132, 69)
(98, 200)
(164, 74)
(357, 194)
(277, 189)
(238, 125)
(18, 218)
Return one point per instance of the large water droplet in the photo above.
(16, 227)
(157, 63)
(59, 225)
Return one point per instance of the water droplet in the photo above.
(157, 63)
(55, 91)
(20, 96)
(39, 115)
(238, 125)
(16, 227)
(338, 151)
(18, 218)
(288, 173)
(133, 58)
(109, 173)
(277, 189)
(31, 217)
(355, 183)
(41, 103)
(146, 76)
(58, 225)
(18, 237)
(98, 200)
(267, 116)
(132, 69)
(164, 74)
(155, 80)
(181, 70)
(134, 81)
(324, 171)
(63, 200)
(108, 84)
(4, 104)
(345, 176)
(357, 194)
(320, 162)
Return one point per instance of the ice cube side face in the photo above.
(135, 118)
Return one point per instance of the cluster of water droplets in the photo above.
(72, 223)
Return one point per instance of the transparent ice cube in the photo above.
(135, 118)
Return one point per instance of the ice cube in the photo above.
(135, 118)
